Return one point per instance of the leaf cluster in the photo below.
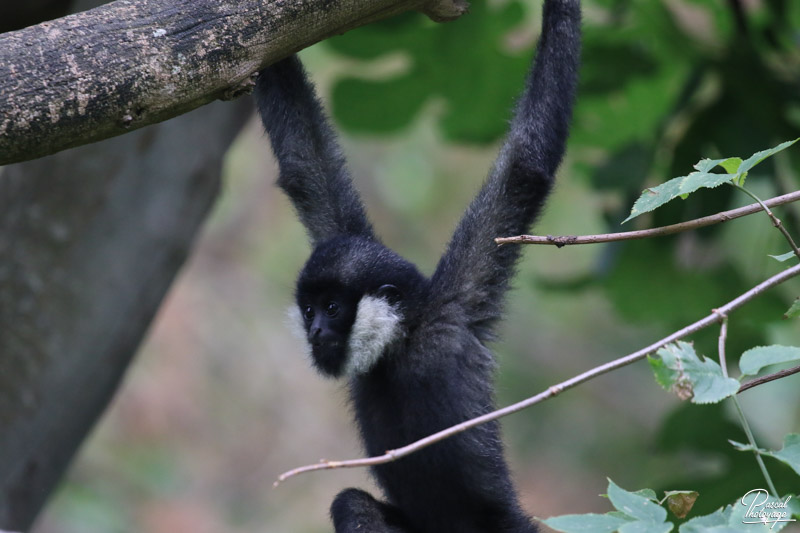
(642, 512)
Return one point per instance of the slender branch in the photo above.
(751, 439)
(775, 220)
(724, 216)
(391, 455)
(723, 335)
(768, 378)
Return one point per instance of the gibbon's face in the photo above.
(327, 318)
(346, 332)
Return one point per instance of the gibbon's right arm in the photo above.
(473, 275)
(313, 170)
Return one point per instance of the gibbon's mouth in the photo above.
(329, 358)
(325, 344)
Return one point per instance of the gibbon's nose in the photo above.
(315, 335)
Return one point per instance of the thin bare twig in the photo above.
(775, 220)
(766, 379)
(723, 337)
(724, 216)
(391, 455)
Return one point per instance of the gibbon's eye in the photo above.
(308, 312)
(332, 309)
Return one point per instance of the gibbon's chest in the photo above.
(397, 403)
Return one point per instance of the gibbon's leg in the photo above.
(356, 511)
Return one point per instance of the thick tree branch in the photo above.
(124, 65)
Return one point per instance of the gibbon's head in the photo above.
(353, 300)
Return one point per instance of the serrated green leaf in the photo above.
(650, 494)
(585, 523)
(703, 381)
(707, 165)
(735, 171)
(732, 518)
(642, 526)
(665, 377)
(731, 165)
(794, 310)
(703, 524)
(783, 257)
(794, 506)
(634, 505)
(657, 196)
(790, 453)
(754, 359)
(758, 157)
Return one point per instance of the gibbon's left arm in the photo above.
(313, 171)
(473, 275)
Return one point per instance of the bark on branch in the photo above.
(124, 65)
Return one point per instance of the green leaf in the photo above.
(735, 171)
(585, 523)
(783, 257)
(730, 164)
(650, 494)
(636, 513)
(634, 505)
(733, 518)
(758, 157)
(657, 196)
(754, 359)
(794, 505)
(794, 310)
(702, 381)
(703, 524)
(790, 453)
(642, 526)
(665, 376)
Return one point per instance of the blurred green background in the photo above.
(220, 400)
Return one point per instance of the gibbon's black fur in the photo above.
(412, 347)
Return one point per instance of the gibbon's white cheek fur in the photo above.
(376, 326)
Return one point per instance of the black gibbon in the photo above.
(411, 347)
